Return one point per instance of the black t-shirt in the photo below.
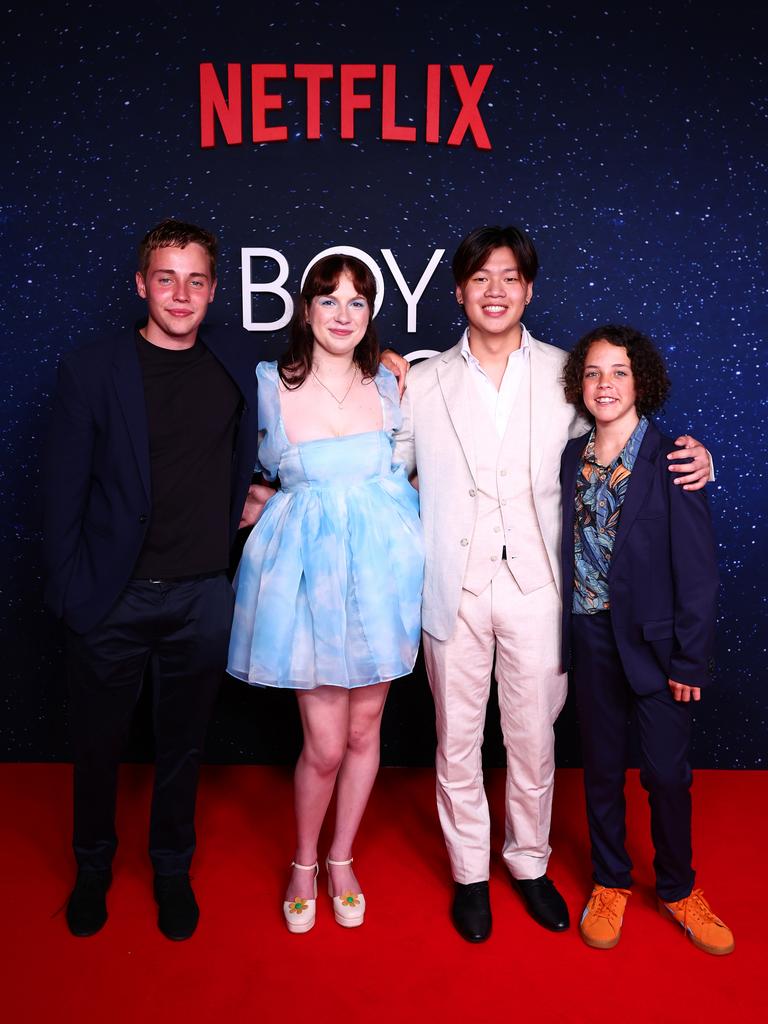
(192, 412)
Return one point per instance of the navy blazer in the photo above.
(662, 579)
(96, 471)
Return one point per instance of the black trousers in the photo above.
(183, 629)
(606, 703)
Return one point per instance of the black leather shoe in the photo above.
(87, 905)
(543, 902)
(179, 913)
(471, 911)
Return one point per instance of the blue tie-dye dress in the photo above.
(329, 585)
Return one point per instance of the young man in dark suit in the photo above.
(640, 581)
(147, 470)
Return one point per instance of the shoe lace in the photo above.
(698, 910)
(608, 903)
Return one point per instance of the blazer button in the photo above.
(464, 542)
(472, 492)
(142, 518)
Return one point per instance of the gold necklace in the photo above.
(339, 401)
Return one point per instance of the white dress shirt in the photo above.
(499, 403)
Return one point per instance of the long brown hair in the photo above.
(295, 364)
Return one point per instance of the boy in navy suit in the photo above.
(639, 561)
(147, 468)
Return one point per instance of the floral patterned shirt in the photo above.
(600, 494)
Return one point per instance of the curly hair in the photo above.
(295, 364)
(648, 370)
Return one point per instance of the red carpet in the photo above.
(405, 964)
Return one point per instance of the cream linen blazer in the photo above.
(436, 441)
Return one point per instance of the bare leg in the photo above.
(325, 719)
(356, 777)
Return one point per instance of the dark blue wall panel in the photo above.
(630, 141)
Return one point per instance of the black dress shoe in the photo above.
(471, 911)
(178, 910)
(87, 905)
(543, 902)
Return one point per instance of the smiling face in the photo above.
(338, 321)
(495, 296)
(608, 385)
(178, 289)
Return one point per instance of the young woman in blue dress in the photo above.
(329, 587)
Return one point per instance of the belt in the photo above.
(178, 579)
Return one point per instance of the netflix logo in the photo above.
(356, 85)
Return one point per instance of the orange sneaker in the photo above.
(703, 928)
(600, 924)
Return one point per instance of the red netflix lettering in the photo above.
(433, 103)
(226, 107)
(389, 129)
(229, 112)
(469, 116)
(350, 100)
(313, 73)
(262, 101)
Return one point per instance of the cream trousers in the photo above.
(523, 632)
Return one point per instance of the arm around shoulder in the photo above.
(405, 448)
(697, 468)
(694, 566)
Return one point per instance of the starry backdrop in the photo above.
(629, 139)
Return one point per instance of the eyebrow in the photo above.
(596, 366)
(196, 273)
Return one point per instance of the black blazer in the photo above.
(662, 580)
(96, 471)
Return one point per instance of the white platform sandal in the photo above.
(349, 907)
(299, 913)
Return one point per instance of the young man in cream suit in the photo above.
(484, 426)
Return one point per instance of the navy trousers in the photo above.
(182, 628)
(606, 704)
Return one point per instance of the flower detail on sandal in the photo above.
(349, 908)
(299, 911)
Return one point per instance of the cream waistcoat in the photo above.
(505, 513)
